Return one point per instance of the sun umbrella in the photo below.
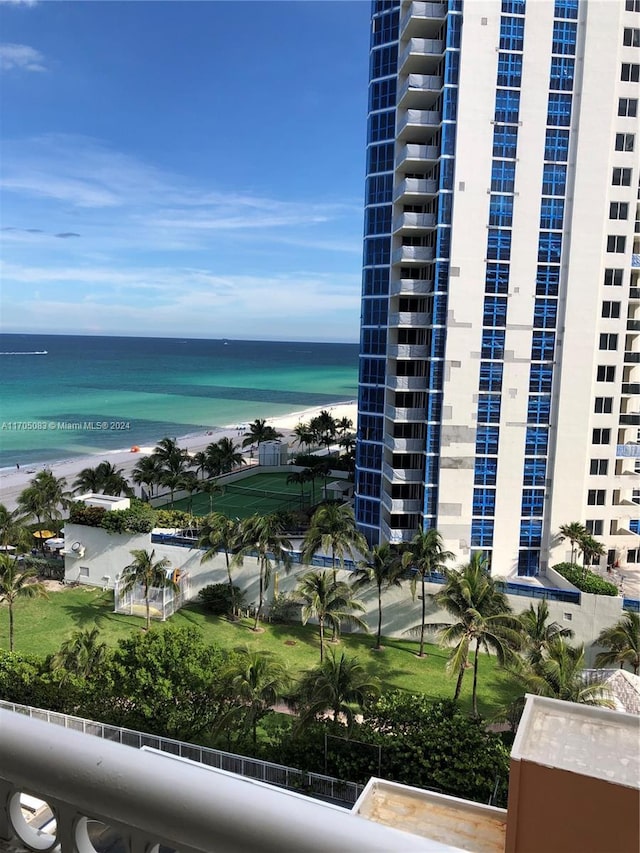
(55, 543)
(43, 534)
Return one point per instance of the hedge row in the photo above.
(585, 580)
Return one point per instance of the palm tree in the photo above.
(344, 425)
(221, 533)
(300, 477)
(12, 529)
(258, 432)
(303, 434)
(213, 459)
(81, 654)
(559, 675)
(333, 529)
(622, 642)
(199, 462)
(44, 498)
(188, 482)
(229, 455)
(324, 426)
(337, 685)
(88, 480)
(32, 504)
(537, 632)
(590, 548)
(265, 534)
(482, 615)
(113, 480)
(330, 603)
(257, 681)
(575, 533)
(210, 488)
(16, 583)
(381, 566)
(425, 555)
(148, 472)
(146, 573)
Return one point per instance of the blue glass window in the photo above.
(566, 9)
(491, 375)
(384, 61)
(382, 94)
(385, 28)
(450, 104)
(497, 278)
(634, 525)
(540, 378)
(438, 338)
(369, 484)
(434, 406)
(374, 312)
(564, 38)
(434, 374)
(511, 33)
(545, 313)
(547, 281)
(369, 455)
(487, 440)
(554, 179)
(542, 346)
(454, 28)
(507, 105)
(505, 140)
(514, 7)
(377, 220)
(536, 441)
(556, 146)
(549, 247)
(380, 158)
(539, 409)
(377, 250)
(452, 68)
(443, 241)
(433, 438)
(439, 310)
(495, 311)
(528, 563)
(430, 500)
(382, 126)
(510, 70)
(535, 471)
(431, 469)
(481, 532)
(379, 189)
(501, 210)
(552, 213)
(499, 245)
(559, 109)
(489, 408)
(448, 141)
(562, 73)
(370, 428)
(375, 282)
(503, 173)
(486, 470)
(446, 173)
(530, 532)
(492, 343)
(368, 512)
(484, 502)
(532, 502)
(374, 342)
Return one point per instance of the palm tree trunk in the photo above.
(456, 695)
(334, 638)
(260, 598)
(379, 637)
(474, 696)
(146, 601)
(231, 590)
(10, 603)
(421, 652)
(321, 624)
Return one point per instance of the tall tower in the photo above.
(500, 329)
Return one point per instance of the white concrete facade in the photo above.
(578, 83)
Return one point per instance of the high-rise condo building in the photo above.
(500, 329)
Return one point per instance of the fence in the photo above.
(631, 604)
(315, 785)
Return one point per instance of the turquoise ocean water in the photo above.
(64, 396)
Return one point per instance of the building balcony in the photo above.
(423, 19)
(409, 222)
(398, 413)
(415, 190)
(630, 389)
(407, 383)
(408, 351)
(629, 450)
(635, 261)
(632, 358)
(396, 535)
(634, 294)
(630, 419)
(633, 325)
(410, 287)
(413, 156)
(418, 124)
(404, 445)
(401, 505)
(146, 801)
(410, 318)
(421, 56)
(420, 91)
(402, 475)
(408, 255)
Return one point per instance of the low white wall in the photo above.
(106, 555)
(556, 579)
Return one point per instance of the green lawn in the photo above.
(238, 504)
(41, 626)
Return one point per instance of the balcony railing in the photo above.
(630, 419)
(149, 799)
(633, 325)
(417, 49)
(402, 475)
(416, 187)
(632, 357)
(414, 220)
(635, 261)
(421, 11)
(410, 286)
(408, 351)
(417, 154)
(412, 254)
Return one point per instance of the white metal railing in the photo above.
(148, 799)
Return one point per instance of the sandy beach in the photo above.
(12, 481)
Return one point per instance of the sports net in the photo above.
(283, 499)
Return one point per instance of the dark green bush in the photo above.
(284, 609)
(175, 518)
(216, 598)
(90, 516)
(585, 580)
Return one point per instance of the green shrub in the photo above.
(216, 598)
(284, 609)
(90, 516)
(175, 518)
(139, 518)
(585, 580)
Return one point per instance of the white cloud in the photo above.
(21, 56)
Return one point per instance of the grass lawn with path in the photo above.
(42, 625)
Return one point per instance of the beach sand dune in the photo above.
(12, 481)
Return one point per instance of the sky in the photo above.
(183, 168)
